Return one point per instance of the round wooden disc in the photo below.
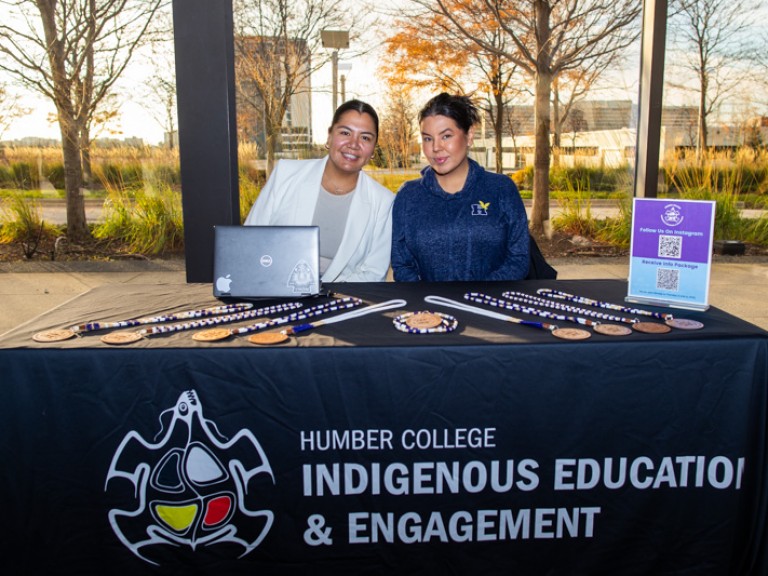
(267, 338)
(53, 336)
(571, 333)
(119, 338)
(651, 327)
(212, 335)
(423, 320)
(613, 329)
(684, 324)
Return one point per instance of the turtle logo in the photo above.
(301, 278)
(672, 215)
(192, 487)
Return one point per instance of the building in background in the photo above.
(602, 133)
(264, 56)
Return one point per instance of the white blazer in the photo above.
(289, 197)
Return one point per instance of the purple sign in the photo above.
(656, 220)
(671, 252)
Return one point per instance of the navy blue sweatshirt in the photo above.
(478, 233)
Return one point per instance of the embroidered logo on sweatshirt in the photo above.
(480, 209)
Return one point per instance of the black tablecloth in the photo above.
(114, 303)
(358, 449)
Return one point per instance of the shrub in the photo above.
(524, 178)
(249, 191)
(25, 176)
(391, 180)
(576, 217)
(55, 175)
(617, 231)
(22, 224)
(157, 225)
(755, 230)
(148, 221)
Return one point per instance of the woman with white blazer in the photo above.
(353, 211)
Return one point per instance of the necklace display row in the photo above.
(536, 301)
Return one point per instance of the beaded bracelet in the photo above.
(447, 323)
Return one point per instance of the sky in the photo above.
(136, 121)
(361, 82)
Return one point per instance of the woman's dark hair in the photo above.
(357, 106)
(459, 108)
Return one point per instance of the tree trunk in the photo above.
(541, 112)
(540, 209)
(85, 156)
(702, 141)
(271, 145)
(77, 227)
(557, 130)
(498, 128)
(270, 141)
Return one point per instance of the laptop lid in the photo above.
(266, 261)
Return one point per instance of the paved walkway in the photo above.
(738, 285)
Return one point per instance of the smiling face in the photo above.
(351, 141)
(445, 146)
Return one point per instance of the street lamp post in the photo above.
(344, 67)
(335, 39)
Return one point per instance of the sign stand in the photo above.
(671, 252)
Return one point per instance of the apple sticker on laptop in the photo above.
(223, 283)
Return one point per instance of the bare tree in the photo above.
(10, 109)
(546, 38)
(160, 89)
(711, 41)
(427, 51)
(278, 47)
(397, 133)
(72, 52)
(569, 88)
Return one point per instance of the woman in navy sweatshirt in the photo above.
(457, 222)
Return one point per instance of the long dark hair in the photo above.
(357, 106)
(459, 108)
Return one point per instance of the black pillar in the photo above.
(651, 98)
(205, 92)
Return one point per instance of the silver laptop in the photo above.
(266, 261)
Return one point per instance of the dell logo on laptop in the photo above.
(266, 260)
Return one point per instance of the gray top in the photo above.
(331, 213)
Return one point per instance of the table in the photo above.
(358, 449)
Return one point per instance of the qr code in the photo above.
(670, 246)
(668, 279)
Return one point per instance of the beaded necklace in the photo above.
(529, 299)
(560, 295)
(480, 311)
(219, 319)
(388, 305)
(338, 304)
(491, 301)
(212, 311)
(447, 323)
(130, 337)
(56, 335)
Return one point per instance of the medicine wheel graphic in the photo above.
(192, 488)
